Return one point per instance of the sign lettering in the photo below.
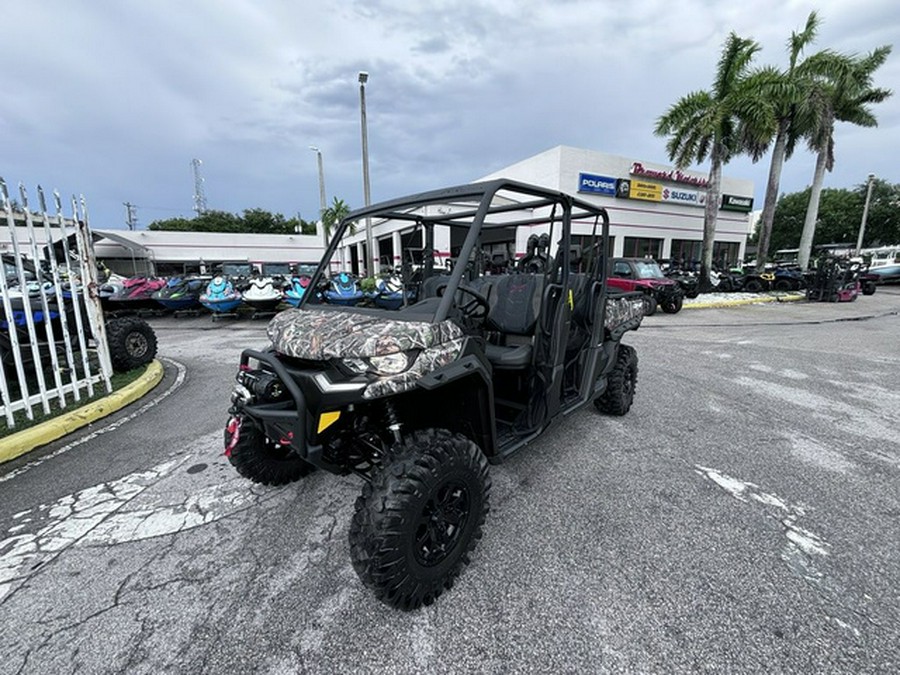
(737, 203)
(651, 192)
(672, 175)
(685, 197)
(603, 185)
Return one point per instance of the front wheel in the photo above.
(649, 305)
(259, 458)
(420, 517)
(621, 383)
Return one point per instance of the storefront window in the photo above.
(686, 252)
(640, 247)
(726, 254)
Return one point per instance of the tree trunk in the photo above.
(710, 215)
(812, 212)
(768, 213)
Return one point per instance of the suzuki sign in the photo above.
(684, 197)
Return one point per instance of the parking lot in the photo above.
(744, 516)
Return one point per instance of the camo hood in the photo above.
(318, 335)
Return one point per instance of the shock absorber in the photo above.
(393, 422)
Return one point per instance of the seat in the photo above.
(515, 301)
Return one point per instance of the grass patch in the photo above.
(118, 381)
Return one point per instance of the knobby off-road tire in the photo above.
(260, 459)
(673, 306)
(783, 285)
(754, 286)
(650, 305)
(132, 343)
(419, 519)
(621, 383)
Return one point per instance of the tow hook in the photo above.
(233, 429)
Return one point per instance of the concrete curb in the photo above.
(28, 439)
(744, 301)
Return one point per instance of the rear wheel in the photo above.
(754, 286)
(674, 305)
(132, 343)
(260, 459)
(783, 285)
(420, 517)
(621, 384)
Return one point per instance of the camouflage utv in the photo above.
(417, 401)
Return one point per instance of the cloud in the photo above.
(114, 99)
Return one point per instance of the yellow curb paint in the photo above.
(28, 439)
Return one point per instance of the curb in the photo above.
(744, 301)
(28, 439)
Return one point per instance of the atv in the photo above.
(418, 400)
(130, 339)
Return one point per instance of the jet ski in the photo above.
(262, 294)
(220, 296)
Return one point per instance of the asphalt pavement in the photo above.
(743, 517)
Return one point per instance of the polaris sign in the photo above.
(602, 185)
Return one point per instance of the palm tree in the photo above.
(845, 96)
(789, 98)
(732, 118)
(333, 215)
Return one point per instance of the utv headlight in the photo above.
(389, 364)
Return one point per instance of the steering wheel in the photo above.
(475, 308)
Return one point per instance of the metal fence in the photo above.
(53, 344)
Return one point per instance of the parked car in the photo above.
(645, 275)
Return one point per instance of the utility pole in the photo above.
(130, 215)
(865, 215)
(372, 262)
(199, 194)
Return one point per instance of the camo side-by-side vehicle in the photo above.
(418, 401)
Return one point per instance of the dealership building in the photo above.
(655, 210)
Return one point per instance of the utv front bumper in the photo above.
(293, 404)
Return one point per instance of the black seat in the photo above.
(515, 301)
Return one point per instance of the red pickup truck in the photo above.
(645, 275)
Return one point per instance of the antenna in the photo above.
(199, 194)
(130, 215)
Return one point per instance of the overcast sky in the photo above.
(112, 99)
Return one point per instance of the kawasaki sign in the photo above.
(735, 203)
(602, 185)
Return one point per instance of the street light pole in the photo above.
(322, 200)
(372, 263)
(865, 215)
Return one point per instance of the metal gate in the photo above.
(53, 344)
